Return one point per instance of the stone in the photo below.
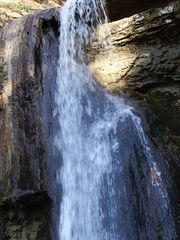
(138, 52)
(137, 56)
(25, 193)
(125, 8)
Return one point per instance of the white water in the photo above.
(85, 126)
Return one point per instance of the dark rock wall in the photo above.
(49, 55)
(29, 195)
(28, 67)
(119, 9)
(145, 64)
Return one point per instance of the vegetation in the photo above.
(23, 7)
(12, 9)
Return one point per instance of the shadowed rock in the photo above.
(140, 56)
(28, 62)
(119, 9)
(144, 63)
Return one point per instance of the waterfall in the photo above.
(93, 127)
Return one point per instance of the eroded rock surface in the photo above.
(25, 193)
(140, 56)
(143, 63)
(125, 8)
(144, 52)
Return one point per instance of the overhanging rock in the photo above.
(119, 9)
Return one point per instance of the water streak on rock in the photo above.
(96, 202)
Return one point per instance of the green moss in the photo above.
(29, 224)
(23, 7)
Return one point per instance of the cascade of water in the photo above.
(87, 118)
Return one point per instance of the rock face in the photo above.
(141, 57)
(125, 8)
(25, 196)
(14, 9)
(145, 50)
(143, 63)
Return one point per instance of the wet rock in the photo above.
(140, 56)
(25, 193)
(143, 63)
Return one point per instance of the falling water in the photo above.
(94, 205)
